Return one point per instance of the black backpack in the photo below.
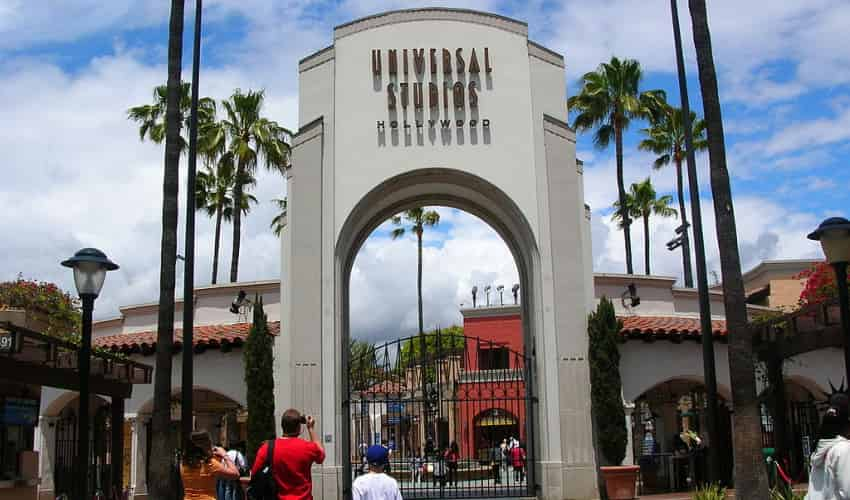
(262, 485)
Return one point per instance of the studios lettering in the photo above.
(432, 88)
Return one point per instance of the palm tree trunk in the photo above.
(646, 242)
(750, 478)
(686, 243)
(621, 189)
(160, 481)
(216, 244)
(419, 280)
(238, 188)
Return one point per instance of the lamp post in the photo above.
(834, 237)
(90, 266)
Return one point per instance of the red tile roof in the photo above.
(205, 336)
(668, 327)
(215, 336)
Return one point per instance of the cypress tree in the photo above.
(259, 381)
(604, 328)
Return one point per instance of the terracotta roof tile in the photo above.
(668, 327)
(205, 336)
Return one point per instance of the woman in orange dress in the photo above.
(202, 464)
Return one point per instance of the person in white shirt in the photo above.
(829, 477)
(376, 485)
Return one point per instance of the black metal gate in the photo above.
(66, 449)
(455, 412)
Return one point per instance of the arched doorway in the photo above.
(670, 437)
(65, 446)
(442, 416)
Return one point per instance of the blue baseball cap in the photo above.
(377, 455)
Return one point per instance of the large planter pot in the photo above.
(621, 481)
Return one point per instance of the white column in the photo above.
(138, 472)
(629, 408)
(45, 445)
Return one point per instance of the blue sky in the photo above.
(76, 174)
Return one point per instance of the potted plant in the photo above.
(609, 417)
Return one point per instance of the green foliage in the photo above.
(259, 382)
(643, 201)
(48, 302)
(362, 369)
(709, 492)
(786, 493)
(279, 221)
(666, 136)
(451, 342)
(603, 328)
(151, 117)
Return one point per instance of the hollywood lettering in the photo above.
(433, 95)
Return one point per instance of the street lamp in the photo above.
(834, 237)
(90, 266)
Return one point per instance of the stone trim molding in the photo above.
(545, 54)
(558, 127)
(491, 311)
(431, 14)
(309, 131)
(317, 58)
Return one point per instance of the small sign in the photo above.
(8, 342)
(329, 438)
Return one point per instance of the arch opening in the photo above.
(432, 413)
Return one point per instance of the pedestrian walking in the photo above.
(293, 457)
(202, 464)
(452, 456)
(417, 464)
(231, 489)
(829, 477)
(518, 462)
(496, 463)
(376, 484)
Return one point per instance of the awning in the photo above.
(27, 356)
(496, 421)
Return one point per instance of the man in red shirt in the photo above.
(293, 457)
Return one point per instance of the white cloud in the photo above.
(383, 280)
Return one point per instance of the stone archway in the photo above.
(521, 177)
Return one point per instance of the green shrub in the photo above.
(710, 492)
(603, 329)
(259, 381)
(786, 493)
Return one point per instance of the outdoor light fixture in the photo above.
(487, 293)
(474, 294)
(515, 290)
(90, 266)
(834, 237)
(501, 290)
(631, 292)
(240, 300)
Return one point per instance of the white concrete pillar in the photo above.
(138, 468)
(629, 407)
(45, 445)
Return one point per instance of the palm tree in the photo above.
(151, 117)
(279, 221)
(249, 136)
(666, 138)
(750, 478)
(609, 100)
(214, 195)
(642, 201)
(161, 480)
(418, 219)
